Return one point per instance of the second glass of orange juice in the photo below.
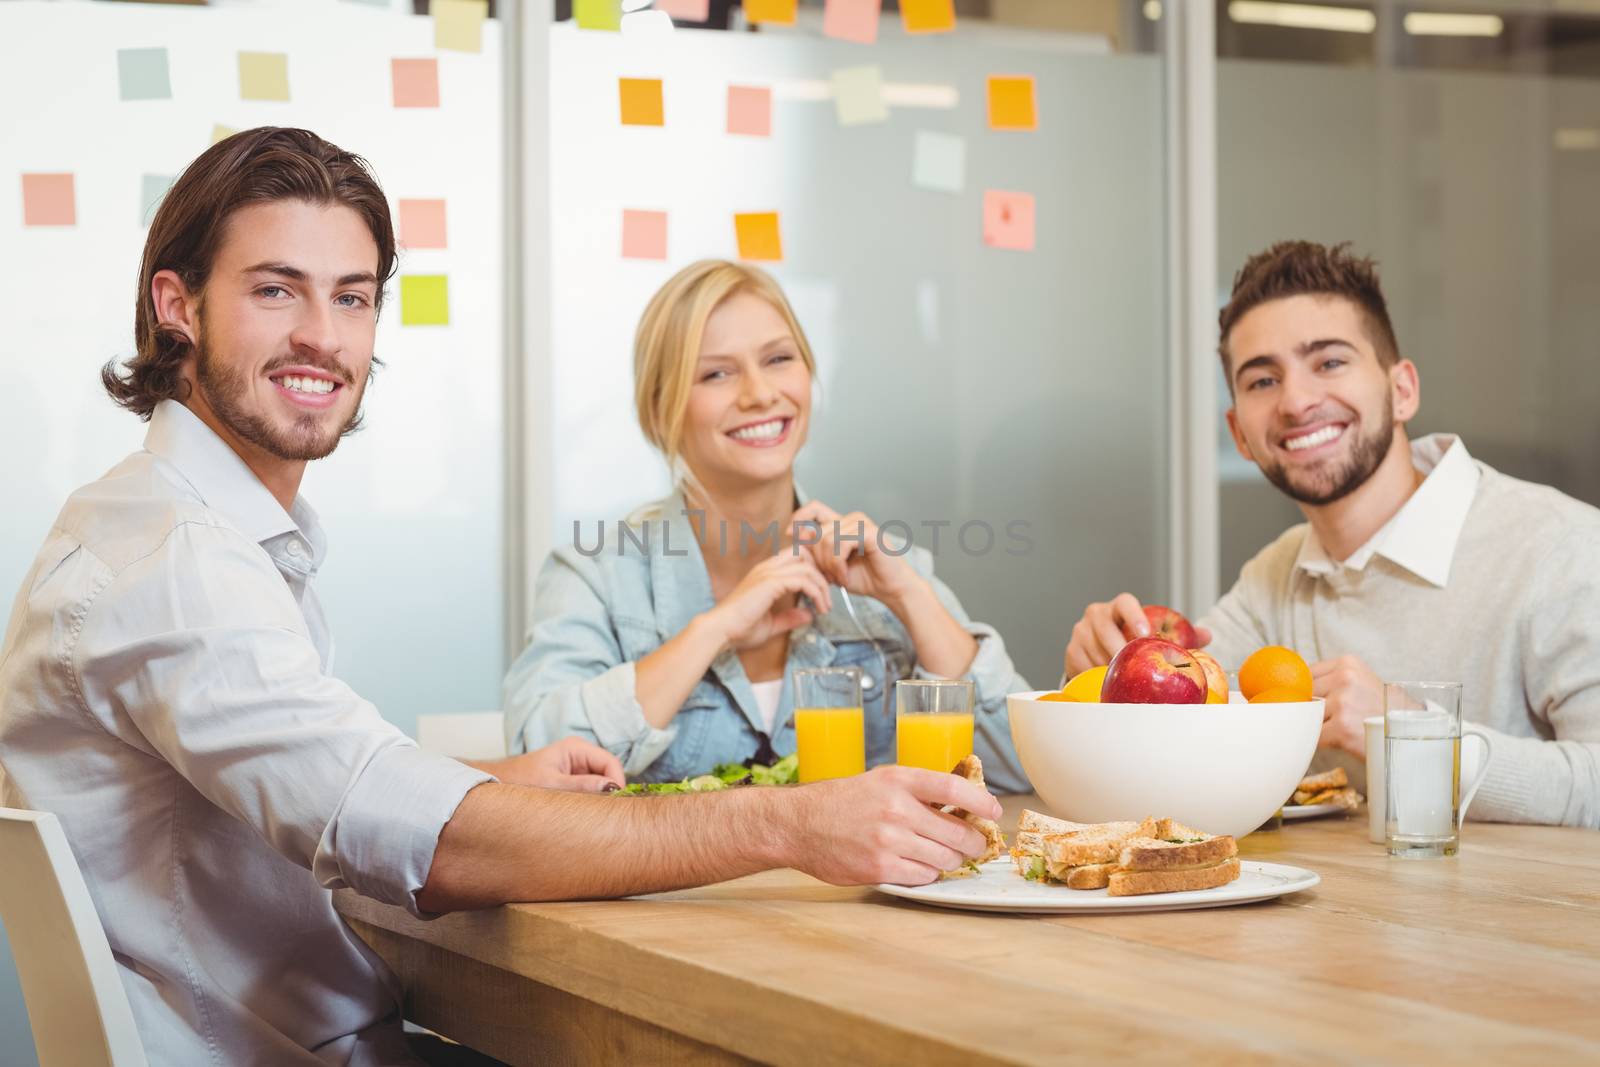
(933, 722)
(829, 727)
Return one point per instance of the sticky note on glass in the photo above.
(858, 96)
(416, 82)
(1011, 102)
(1008, 220)
(644, 234)
(758, 236)
(750, 110)
(263, 76)
(939, 161)
(852, 20)
(152, 190)
(48, 200)
(641, 101)
(220, 132)
(142, 74)
(422, 224)
(424, 300)
(928, 16)
(687, 10)
(780, 11)
(597, 14)
(458, 24)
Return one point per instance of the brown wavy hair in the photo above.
(251, 167)
(1296, 268)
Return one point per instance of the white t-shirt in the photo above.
(767, 696)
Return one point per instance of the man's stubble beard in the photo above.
(1364, 461)
(224, 390)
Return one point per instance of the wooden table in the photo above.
(1491, 957)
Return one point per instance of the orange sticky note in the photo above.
(1011, 102)
(687, 10)
(422, 224)
(758, 235)
(48, 200)
(750, 110)
(641, 102)
(644, 234)
(852, 20)
(1008, 220)
(928, 16)
(781, 11)
(416, 82)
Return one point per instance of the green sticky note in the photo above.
(142, 74)
(263, 76)
(424, 300)
(152, 190)
(598, 14)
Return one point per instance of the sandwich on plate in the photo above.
(1135, 858)
(1330, 787)
(1028, 850)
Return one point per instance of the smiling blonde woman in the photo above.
(674, 645)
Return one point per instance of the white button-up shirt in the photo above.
(165, 689)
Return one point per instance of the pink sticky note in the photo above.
(416, 82)
(687, 10)
(644, 234)
(422, 224)
(48, 200)
(750, 110)
(1008, 220)
(852, 20)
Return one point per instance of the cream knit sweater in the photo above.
(1517, 622)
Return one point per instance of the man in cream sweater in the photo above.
(1416, 562)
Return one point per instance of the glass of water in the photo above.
(1422, 768)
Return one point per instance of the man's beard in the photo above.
(1364, 460)
(225, 388)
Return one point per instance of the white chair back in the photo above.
(464, 734)
(77, 1007)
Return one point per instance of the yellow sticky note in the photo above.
(782, 11)
(263, 76)
(1011, 103)
(219, 132)
(424, 300)
(458, 24)
(928, 16)
(758, 235)
(641, 102)
(598, 14)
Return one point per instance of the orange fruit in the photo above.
(1060, 697)
(1214, 697)
(1275, 667)
(1280, 695)
(1083, 689)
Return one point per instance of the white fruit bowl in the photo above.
(1222, 768)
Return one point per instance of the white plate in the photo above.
(1310, 811)
(998, 887)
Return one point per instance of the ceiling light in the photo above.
(1303, 16)
(1442, 24)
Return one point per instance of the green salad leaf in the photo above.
(724, 776)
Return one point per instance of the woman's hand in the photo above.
(762, 605)
(848, 552)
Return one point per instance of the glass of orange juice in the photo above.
(933, 722)
(828, 724)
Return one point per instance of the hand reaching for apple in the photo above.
(1351, 693)
(1106, 627)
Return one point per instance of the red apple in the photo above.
(1152, 671)
(1216, 677)
(1168, 625)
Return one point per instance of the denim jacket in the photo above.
(596, 613)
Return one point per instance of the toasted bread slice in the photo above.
(1089, 876)
(1173, 830)
(1037, 822)
(1155, 855)
(971, 768)
(1316, 783)
(1137, 883)
(1101, 843)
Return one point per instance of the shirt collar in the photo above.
(222, 479)
(1422, 535)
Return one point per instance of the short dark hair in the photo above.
(251, 167)
(1294, 268)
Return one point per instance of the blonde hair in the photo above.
(667, 346)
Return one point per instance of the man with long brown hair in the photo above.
(166, 685)
(1415, 561)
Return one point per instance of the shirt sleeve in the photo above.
(572, 679)
(1554, 781)
(993, 678)
(198, 655)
